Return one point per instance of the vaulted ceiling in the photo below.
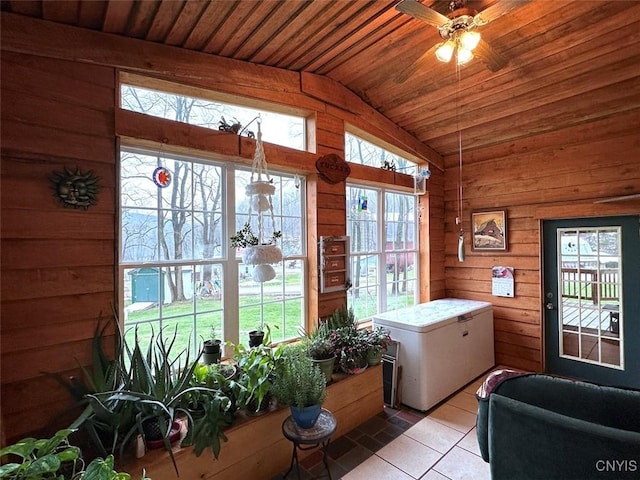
(569, 62)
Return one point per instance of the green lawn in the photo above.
(284, 318)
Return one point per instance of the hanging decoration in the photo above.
(459, 217)
(332, 169)
(420, 181)
(363, 203)
(161, 176)
(75, 189)
(260, 248)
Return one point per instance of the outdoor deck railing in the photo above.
(597, 285)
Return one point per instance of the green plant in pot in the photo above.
(378, 340)
(212, 348)
(55, 458)
(319, 349)
(160, 387)
(256, 368)
(219, 376)
(350, 345)
(301, 385)
(107, 422)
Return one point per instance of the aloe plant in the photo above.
(159, 387)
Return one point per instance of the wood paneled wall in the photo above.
(57, 263)
(552, 175)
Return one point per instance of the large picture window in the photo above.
(177, 270)
(384, 250)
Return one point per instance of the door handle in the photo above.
(550, 306)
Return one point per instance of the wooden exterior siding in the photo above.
(554, 175)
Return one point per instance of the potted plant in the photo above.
(319, 349)
(55, 458)
(220, 376)
(211, 348)
(378, 340)
(301, 385)
(261, 335)
(256, 368)
(341, 317)
(257, 252)
(350, 346)
(107, 422)
(256, 336)
(159, 389)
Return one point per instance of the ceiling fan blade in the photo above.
(413, 68)
(492, 59)
(498, 9)
(422, 12)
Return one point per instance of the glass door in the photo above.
(592, 296)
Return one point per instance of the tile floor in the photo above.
(406, 444)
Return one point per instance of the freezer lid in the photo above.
(430, 315)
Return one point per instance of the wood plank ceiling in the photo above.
(570, 62)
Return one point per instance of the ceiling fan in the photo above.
(458, 31)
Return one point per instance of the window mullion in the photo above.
(231, 323)
(382, 256)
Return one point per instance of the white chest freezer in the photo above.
(444, 344)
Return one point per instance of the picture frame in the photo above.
(489, 230)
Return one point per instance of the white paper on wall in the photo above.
(502, 281)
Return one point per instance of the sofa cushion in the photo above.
(529, 442)
(608, 406)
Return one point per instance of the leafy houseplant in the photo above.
(245, 237)
(258, 251)
(350, 346)
(257, 366)
(319, 349)
(159, 388)
(341, 317)
(107, 422)
(378, 340)
(301, 385)
(55, 458)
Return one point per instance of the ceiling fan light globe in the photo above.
(469, 40)
(445, 51)
(464, 55)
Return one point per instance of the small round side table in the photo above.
(308, 438)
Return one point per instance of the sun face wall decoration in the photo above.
(75, 189)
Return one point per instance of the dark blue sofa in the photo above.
(536, 426)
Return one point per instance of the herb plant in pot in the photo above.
(301, 385)
(212, 348)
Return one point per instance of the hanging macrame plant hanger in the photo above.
(260, 191)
